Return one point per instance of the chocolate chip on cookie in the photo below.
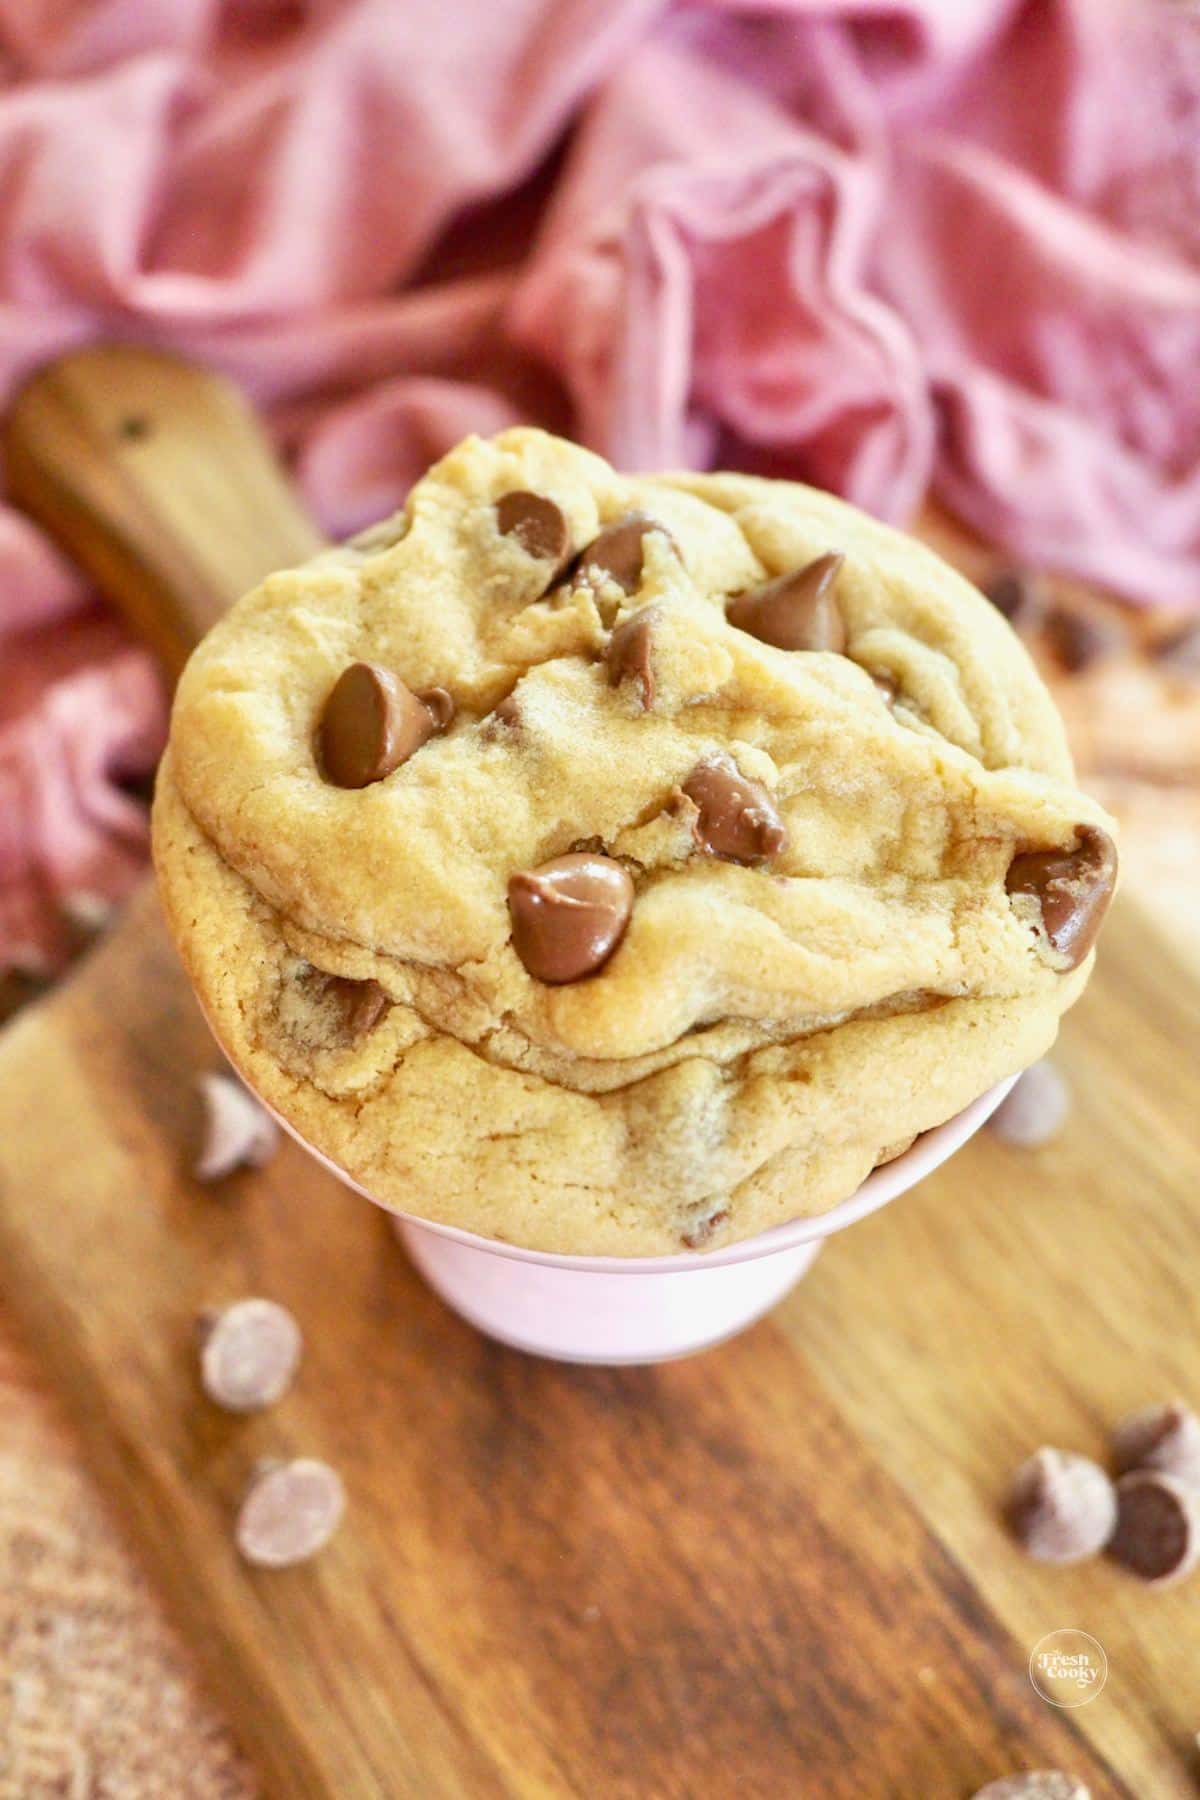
(619, 550)
(796, 611)
(362, 1003)
(371, 723)
(569, 915)
(735, 817)
(537, 524)
(1158, 1527)
(1072, 889)
(702, 1227)
(629, 653)
(504, 716)
(440, 704)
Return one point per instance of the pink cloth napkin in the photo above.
(884, 245)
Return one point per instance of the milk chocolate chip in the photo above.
(795, 611)
(569, 915)
(439, 703)
(1072, 888)
(1158, 1527)
(736, 817)
(290, 1512)
(363, 1003)
(619, 550)
(629, 653)
(239, 1132)
(1035, 1784)
(249, 1353)
(702, 1227)
(1166, 1438)
(1179, 652)
(1076, 640)
(1036, 1110)
(505, 716)
(1018, 595)
(1061, 1507)
(371, 723)
(537, 524)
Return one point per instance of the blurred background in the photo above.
(940, 256)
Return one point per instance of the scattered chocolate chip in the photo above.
(249, 1354)
(619, 550)
(629, 653)
(1061, 1507)
(1036, 1109)
(569, 915)
(1072, 888)
(363, 1003)
(29, 961)
(1035, 1784)
(1166, 1438)
(440, 704)
(1179, 652)
(1158, 1527)
(1077, 640)
(290, 1512)
(1018, 595)
(537, 524)
(86, 912)
(701, 1230)
(735, 817)
(239, 1132)
(370, 724)
(85, 916)
(795, 611)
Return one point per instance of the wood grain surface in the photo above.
(775, 1568)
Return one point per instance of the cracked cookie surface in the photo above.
(816, 950)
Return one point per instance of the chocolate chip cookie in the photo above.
(613, 864)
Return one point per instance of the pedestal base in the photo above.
(587, 1317)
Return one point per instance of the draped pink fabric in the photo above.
(882, 245)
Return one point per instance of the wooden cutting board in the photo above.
(774, 1569)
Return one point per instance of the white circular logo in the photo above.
(1068, 1668)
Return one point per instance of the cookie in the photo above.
(614, 865)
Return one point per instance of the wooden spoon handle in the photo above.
(155, 476)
